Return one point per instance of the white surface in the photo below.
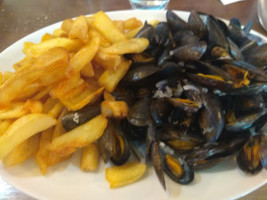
(66, 181)
(226, 2)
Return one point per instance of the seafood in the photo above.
(196, 96)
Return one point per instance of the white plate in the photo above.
(66, 181)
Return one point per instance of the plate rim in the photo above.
(29, 36)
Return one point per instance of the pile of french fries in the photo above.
(80, 63)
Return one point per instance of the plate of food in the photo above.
(135, 105)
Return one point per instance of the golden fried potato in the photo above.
(22, 152)
(117, 109)
(90, 157)
(36, 50)
(81, 96)
(88, 70)
(1, 78)
(134, 45)
(80, 136)
(60, 33)
(42, 155)
(47, 69)
(66, 25)
(22, 129)
(110, 79)
(120, 25)
(107, 61)
(4, 124)
(107, 28)
(34, 106)
(15, 110)
(48, 36)
(79, 29)
(132, 23)
(119, 176)
(83, 56)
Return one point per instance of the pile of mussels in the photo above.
(196, 96)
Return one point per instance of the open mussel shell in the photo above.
(185, 104)
(263, 150)
(211, 82)
(209, 68)
(248, 159)
(210, 154)
(113, 145)
(176, 167)
(160, 110)
(180, 139)
(244, 122)
(74, 119)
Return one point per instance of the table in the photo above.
(19, 18)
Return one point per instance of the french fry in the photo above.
(88, 70)
(48, 36)
(42, 155)
(66, 25)
(81, 96)
(132, 33)
(134, 45)
(45, 158)
(22, 129)
(47, 69)
(120, 25)
(7, 75)
(119, 176)
(60, 33)
(110, 79)
(132, 23)
(33, 106)
(22, 152)
(59, 130)
(107, 28)
(42, 93)
(4, 124)
(90, 157)
(1, 78)
(117, 109)
(80, 136)
(55, 111)
(108, 96)
(28, 91)
(79, 29)
(107, 61)
(27, 61)
(83, 56)
(36, 50)
(66, 85)
(15, 110)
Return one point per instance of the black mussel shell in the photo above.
(248, 159)
(175, 22)
(74, 119)
(190, 52)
